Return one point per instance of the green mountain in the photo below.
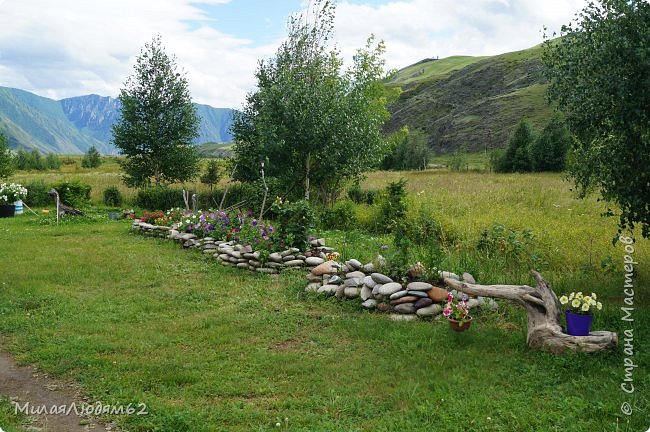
(471, 102)
(75, 124)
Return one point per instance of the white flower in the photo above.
(564, 299)
(587, 299)
(585, 307)
(599, 305)
(188, 221)
(579, 295)
(575, 303)
(572, 295)
(593, 296)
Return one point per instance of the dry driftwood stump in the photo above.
(544, 314)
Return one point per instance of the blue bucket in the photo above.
(19, 207)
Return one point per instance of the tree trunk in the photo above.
(544, 314)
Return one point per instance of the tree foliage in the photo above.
(6, 158)
(158, 121)
(409, 151)
(92, 158)
(599, 74)
(316, 123)
(548, 151)
(212, 174)
(516, 158)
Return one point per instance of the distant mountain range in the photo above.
(471, 102)
(458, 102)
(73, 125)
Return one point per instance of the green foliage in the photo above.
(548, 152)
(73, 193)
(30, 160)
(296, 220)
(37, 194)
(6, 158)
(52, 162)
(362, 196)
(514, 248)
(158, 121)
(516, 157)
(159, 198)
(397, 257)
(458, 161)
(112, 197)
(599, 73)
(212, 174)
(409, 151)
(312, 122)
(341, 215)
(92, 158)
(393, 206)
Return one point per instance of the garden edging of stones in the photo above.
(345, 281)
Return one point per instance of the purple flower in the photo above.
(254, 222)
(384, 247)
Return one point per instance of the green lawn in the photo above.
(210, 348)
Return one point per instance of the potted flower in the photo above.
(457, 313)
(11, 196)
(579, 312)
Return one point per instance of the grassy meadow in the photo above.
(211, 348)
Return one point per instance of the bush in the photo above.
(340, 216)
(457, 162)
(361, 196)
(410, 151)
(393, 207)
(159, 198)
(548, 152)
(112, 197)
(37, 194)
(52, 162)
(73, 193)
(296, 221)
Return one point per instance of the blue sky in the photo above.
(67, 48)
(257, 20)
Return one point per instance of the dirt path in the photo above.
(28, 385)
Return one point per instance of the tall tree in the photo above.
(7, 162)
(158, 121)
(317, 124)
(599, 75)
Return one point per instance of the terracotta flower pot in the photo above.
(457, 326)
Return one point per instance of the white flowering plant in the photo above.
(581, 304)
(10, 193)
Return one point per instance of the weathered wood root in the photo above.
(544, 315)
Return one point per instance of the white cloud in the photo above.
(69, 47)
(418, 29)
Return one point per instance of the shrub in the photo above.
(295, 222)
(340, 216)
(37, 194)
(159, 197)
(73, 193)
(362, 196)
(393, 207)
(112, 196)
(457, 161)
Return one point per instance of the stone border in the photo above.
(350, 280)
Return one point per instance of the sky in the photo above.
(66, 48)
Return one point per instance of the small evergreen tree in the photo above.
(212, 174)
(548, 151)
(92, 158)
(52, 162)
(516, 157)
